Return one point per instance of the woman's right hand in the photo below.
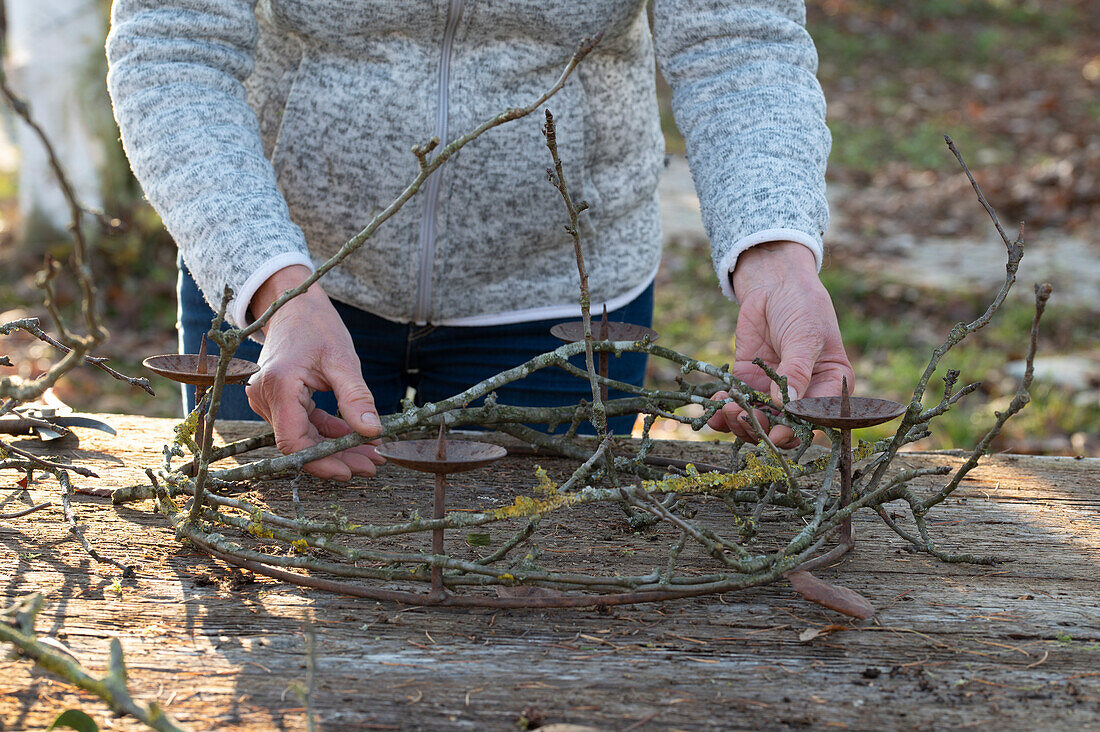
(307, 348)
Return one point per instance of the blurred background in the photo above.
(910, 252)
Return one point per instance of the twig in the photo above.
(80, 251)
(44, 463)
(206, 435)
(75, 530)
(1015, 251)
(1019, 401)
(981, 197)
(25, 511)
(556, 175)
(31, 325)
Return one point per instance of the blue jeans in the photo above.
(437, 361)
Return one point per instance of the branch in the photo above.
(77, 531)
(1019, 401)
(81, 267)
(43, 463)
(25, 511)
(557, 179)
(961, 331)
(31, 325)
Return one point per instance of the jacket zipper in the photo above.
(431, 195)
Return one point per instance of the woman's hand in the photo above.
(787, 320)
(306, 349)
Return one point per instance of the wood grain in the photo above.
(1016, 646)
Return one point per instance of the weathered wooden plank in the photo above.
(1015, 645)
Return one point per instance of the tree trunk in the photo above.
(56, 63)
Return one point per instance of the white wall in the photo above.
(54, 52)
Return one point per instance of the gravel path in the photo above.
(1070, 263)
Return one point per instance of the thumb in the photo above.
(354, 399)
(798, 370)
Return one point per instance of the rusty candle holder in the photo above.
(441, 458)
(573, 332)
(845, 413)
(199, 371)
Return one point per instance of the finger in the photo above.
(783, 437)
(254, 392)
(359, 460)
(360, 453)
(343, 465)
(761, 419)
(328, 425)
(799, 370)
(332, 467)
(752, 374)
(329, 468)
(369, 452)
(734, 416)
(828, 380)
(287, 405)
(717, 421)
(355, 400)
(356, 463)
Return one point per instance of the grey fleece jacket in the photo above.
(268, 133)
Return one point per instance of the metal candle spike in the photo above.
(200, 393)
(845, 461)
(441, 458)
(439, 501)
(603, 354)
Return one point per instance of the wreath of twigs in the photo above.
(353, 559)
(719, 509)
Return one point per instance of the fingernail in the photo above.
(793, 393)
(370, 419)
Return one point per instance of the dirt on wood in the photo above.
(1014, 646)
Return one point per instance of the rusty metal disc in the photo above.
(462, 455)
(185, 368)
(826, 411)
(573, 331)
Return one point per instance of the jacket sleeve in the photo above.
(175, 73)
(746, 97)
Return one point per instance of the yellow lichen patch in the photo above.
(545, 486)
(528, 506)
(300, 545)
(862, 450)
(185, 430)
(259, 531)
(754, 473)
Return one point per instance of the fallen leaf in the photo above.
(831, 596)
(810, 633)
(74, 719)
